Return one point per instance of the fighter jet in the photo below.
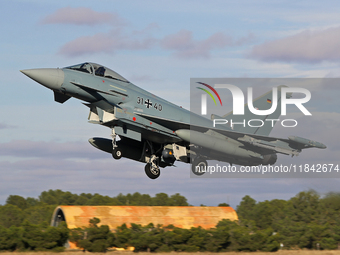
(158, 133)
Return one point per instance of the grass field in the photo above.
(284, 252)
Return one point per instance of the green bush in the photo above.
(93, 238)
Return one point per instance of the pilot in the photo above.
(85, 68)
(100, 71)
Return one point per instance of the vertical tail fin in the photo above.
(264, 102)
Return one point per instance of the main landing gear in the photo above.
(152, 166)
(147, 154)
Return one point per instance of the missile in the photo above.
(217, 143)
(307, 142)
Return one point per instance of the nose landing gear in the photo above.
(117, 153)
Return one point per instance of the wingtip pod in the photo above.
(307, 142)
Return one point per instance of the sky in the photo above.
(159, 46)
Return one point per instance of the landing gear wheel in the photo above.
(151, 171)
(199, 166)
(117, 153)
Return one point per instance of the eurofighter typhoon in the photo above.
(157, 132)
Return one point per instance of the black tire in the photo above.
(202, 164)
(152, 174)
(117, 153)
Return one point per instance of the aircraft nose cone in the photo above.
(51, 78)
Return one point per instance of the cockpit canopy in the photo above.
(98, 70)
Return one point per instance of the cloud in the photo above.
(38, 149)
(305, 47)
(184, 46)
(81, 16)
(104, 43)
(6, 126)
(181, 43)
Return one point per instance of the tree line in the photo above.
(39, 210)
(307, 220)
(226, 236)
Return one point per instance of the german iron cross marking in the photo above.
(148, 103)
